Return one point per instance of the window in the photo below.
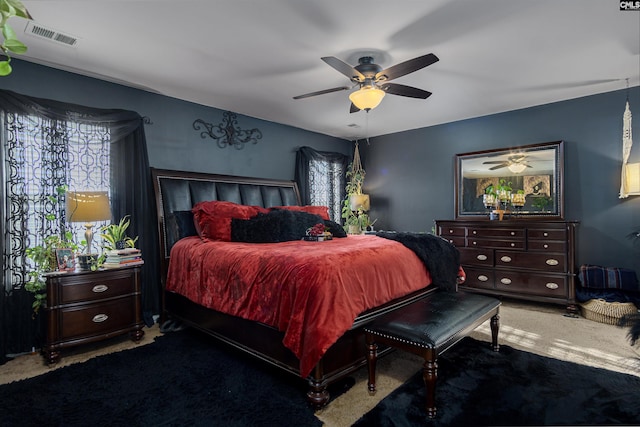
(40, 155)
(321, 179)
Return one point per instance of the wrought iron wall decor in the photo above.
(228, 133)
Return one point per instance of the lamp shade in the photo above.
(359, 202)
(87, 206)
(632, 177)
(367, 98)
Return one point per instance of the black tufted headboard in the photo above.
(178, 191)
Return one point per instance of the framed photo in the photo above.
(66, 261)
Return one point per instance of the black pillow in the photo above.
(334, 228)
(275, 226)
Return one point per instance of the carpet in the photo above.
(183, 378)
(478, 387)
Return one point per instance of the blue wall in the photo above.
(410, 175)
(172, 141)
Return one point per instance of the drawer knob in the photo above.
(475, 232)
(545, 234)
(450, 231)
(481, 257)
(545, 246)
(100, 288)
(505, 259)
(552, 285)
(505, 281)
(552, 261)
(451, 241)
(474, 243)
(513, 244)
(513, 233)
(483, 278)
(99, 318)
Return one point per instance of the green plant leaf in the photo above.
(5, 68)
(18, 8)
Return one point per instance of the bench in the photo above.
(429, 327)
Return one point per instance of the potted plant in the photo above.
(43, 255)
(114, 236)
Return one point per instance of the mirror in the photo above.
(525, 181)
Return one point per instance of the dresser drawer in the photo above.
(547, 246)
(479, 278)
(551, 262)
(446, 231)
(458, 242)
(96, 319)
(479, 257)
(497, 233)
(496, 244)
(555, 286)
(99, 287)
(547, 234)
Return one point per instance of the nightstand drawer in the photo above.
(100, 287)
(94, 319)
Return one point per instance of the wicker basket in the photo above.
(602, 311)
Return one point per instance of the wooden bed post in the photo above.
(317, 395)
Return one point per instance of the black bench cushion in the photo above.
(432, 321)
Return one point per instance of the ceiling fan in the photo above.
(516, 163)
(372, 80)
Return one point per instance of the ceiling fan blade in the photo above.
(353, 108)
(322, 92)
(406, 67)
(498, 167)
(346, 69)
(402, 90)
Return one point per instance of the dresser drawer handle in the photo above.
(552, 285)
(513, 233)
(451, 241)
(483, 278)
(99, 318)
(552, 261)
(545, 246)
(512, 245)
(481, 257)
(505, 281)
(100, 288)
(545, 234)
(474, 243)
(475, 232)
(450, 231)
(505, 259)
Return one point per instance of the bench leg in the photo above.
(430, 377)
(495, 326)
(372, 357)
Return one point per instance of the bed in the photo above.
(315, 329)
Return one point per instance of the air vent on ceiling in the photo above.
(41, 31)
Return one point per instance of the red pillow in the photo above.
(213, 218)
(321, 211)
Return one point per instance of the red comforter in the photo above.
(312, 291)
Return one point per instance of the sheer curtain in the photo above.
(92, 148)
(321, 179)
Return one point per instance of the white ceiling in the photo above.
(253, 56)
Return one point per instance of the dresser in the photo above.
(88, 306)
(520, 258)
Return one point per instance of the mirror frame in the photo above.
(556, 149)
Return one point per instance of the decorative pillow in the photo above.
(180, 225)
(321, 211)
(279, 225)
(213, 218)
(334, 228)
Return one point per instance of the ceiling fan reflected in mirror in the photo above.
(516, 163)
(372, 80)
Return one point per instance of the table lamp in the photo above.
(87, 207)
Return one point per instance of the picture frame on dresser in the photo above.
(535, 170)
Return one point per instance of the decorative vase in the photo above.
(353, 229)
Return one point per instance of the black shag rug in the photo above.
(478, 387)
(182, 379)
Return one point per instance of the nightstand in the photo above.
(88, 306)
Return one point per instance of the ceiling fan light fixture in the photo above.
(517, 167)
(367, 98)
